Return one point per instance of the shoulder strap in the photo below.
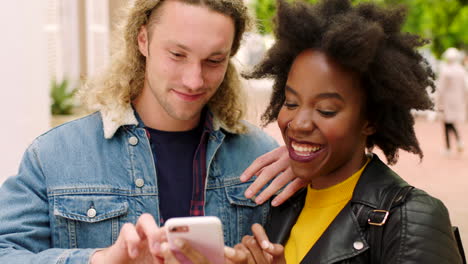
(378, 217)
(459, 243)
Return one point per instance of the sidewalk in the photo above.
(443, 177)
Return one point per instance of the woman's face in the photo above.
(327, 131)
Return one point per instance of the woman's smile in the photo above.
(304, 151)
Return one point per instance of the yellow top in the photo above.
(320, 208)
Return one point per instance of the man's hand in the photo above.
(138, 243)
(267, 167)
(232, 256)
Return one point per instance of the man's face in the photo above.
(187, 54)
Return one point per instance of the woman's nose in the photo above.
(302, 122)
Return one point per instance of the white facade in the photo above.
(45, 40)
(98, 30)
(24, 110)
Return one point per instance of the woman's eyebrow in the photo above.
(329, 96)
(319, 96)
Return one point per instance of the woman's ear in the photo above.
(368, 129)
(143, 41)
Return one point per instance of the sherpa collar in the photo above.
(114, 118)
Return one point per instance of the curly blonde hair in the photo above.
(123, 80)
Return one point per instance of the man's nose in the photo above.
(193, 76)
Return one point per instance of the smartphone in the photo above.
(204, 233)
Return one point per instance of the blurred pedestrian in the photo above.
(451, 96)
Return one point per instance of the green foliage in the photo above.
(62, 97)
(264, 11)
(444, 22)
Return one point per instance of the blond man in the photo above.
(166, 140)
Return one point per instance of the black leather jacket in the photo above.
(418, 229)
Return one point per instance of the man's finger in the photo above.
(168, 255)
(289, 191)
(128, 241)
(273, 169)
(279, 182)
(193, 255)
(261, 162)
(148, 229)
(263, 178)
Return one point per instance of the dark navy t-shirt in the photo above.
(173, 154)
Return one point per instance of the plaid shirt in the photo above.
(197, 203)
(199, 169)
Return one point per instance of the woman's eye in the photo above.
(326, 113)
(290, 105)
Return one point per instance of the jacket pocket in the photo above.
(89, 221)
(243, 212)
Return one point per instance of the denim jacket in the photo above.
(80, 182)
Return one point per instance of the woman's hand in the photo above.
(267, 167)
(259, 249)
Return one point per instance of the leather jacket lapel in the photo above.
(282, 218)
(341, 240)
(375, 178)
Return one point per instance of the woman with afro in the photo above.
(346, 80)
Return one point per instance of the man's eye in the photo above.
(216, 61)
(177, 55)
(326, 113)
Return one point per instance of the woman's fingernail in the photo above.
(230, 252)
(242, 177)
(248, 193)
(265, 244)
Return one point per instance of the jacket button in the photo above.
(133, 141)
(91, 212)
(139, 183)
(358, 245)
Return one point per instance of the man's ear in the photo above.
(368, 129)
(143, 41)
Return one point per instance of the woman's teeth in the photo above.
(304, 149)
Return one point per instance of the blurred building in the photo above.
(79, 35)
(24, 111)
(45, 40)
